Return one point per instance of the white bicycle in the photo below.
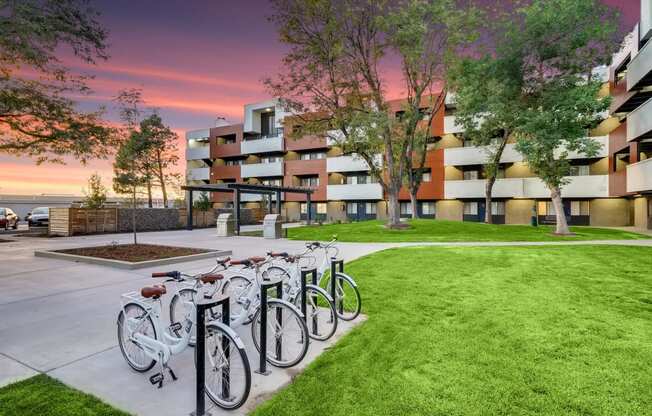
(320, 308)
(348, 302)
(286, 328)
(144, 342)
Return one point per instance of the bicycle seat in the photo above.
(211, 278)
(153, 292)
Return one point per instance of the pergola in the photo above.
(237, 189)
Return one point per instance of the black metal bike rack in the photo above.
(305, 272)
(200, 348)
(265, 285)
(337, 266)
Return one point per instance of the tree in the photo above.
(561, 42)
(163, 151)
(426, 35)
(333, 73)
(37, 117)
(203, 204)
(95, 194)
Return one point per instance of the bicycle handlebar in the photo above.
(174, 274)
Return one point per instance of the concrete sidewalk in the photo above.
(59, 317)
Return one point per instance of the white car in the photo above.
(38, 217)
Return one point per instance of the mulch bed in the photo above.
(133, 252)
(6, 241)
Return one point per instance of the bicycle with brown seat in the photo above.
(290, 332)
(144, 342)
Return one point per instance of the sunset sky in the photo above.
(193, 59)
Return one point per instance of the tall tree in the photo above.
(95, 193)
(561, 42)
(163, 150)
(333, 61)
(37, 117)
(427, 36)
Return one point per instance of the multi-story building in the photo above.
(612, 188)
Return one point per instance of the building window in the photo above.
(497, 208)
(426, 177)
(352, 208)
(309, 181)
(313, 156)
(428, 208)
(470, 175)
(370, 208)
(406, 208)
(267, 124)
(273, 182)
(580, 170)
(303, 207)
(470, 208)
(270, 159)
(580, 208)
(322, 208)
(233, 162)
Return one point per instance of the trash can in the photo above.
(225, 225)
(272, 226)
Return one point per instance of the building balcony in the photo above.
(266, 145)
(639, 176)
(367, 191)
(199, 135)
(593, 186)
(346, 164)
(451, 126)
(198, 153)
(639, 122)
(226, 172)
(639, 69)
(225, 150)
(261, 170)
(199, 174)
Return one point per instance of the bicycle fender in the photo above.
(322, 291)
(286, 303)
(348, 278)
(231, 332)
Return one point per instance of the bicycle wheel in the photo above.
(321, 318)
(143, 324)
(178, 313)
(237, 287)
(287, 334)
(348, 303)
(227, 372)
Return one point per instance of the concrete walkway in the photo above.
(59, 317)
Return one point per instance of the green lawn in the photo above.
(551, 330)
(44, 396)
(449, 231)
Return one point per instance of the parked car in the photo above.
(38, 217)
(8, 219)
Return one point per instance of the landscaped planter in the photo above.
(126, 257)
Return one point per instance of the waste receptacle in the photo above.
(225, 225)
(272, 226)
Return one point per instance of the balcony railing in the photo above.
(639, 67)
(639, 121)
(266, 145)
(199, 174)
(639, 176)
(367, 191)
(347, 164)
(451, 126)
(197, 153)
(592, 186)
(261, 170)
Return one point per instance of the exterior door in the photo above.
(482, 211)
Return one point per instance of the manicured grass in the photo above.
(450, 231)
(44, 396)
(553, 330)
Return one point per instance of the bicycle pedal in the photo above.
(157, 379)
(174, 376)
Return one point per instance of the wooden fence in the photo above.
(73, 221)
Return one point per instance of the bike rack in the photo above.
(305, 272)
(200, 348)
(265, 285)
(337, 266)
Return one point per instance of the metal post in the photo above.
(278, 202)
(189, 213)
(236, 209)
(304, 298)
(264, 287)
(335, 265)
(308, 206)
(226, 372)
(200, 356)
(279, 321)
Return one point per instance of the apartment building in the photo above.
(612, 188)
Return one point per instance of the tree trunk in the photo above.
(413, 202)
(488, 214)
(393, 209)
(133, 214)
(161, 179)
(149, 194)
(562, 225)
